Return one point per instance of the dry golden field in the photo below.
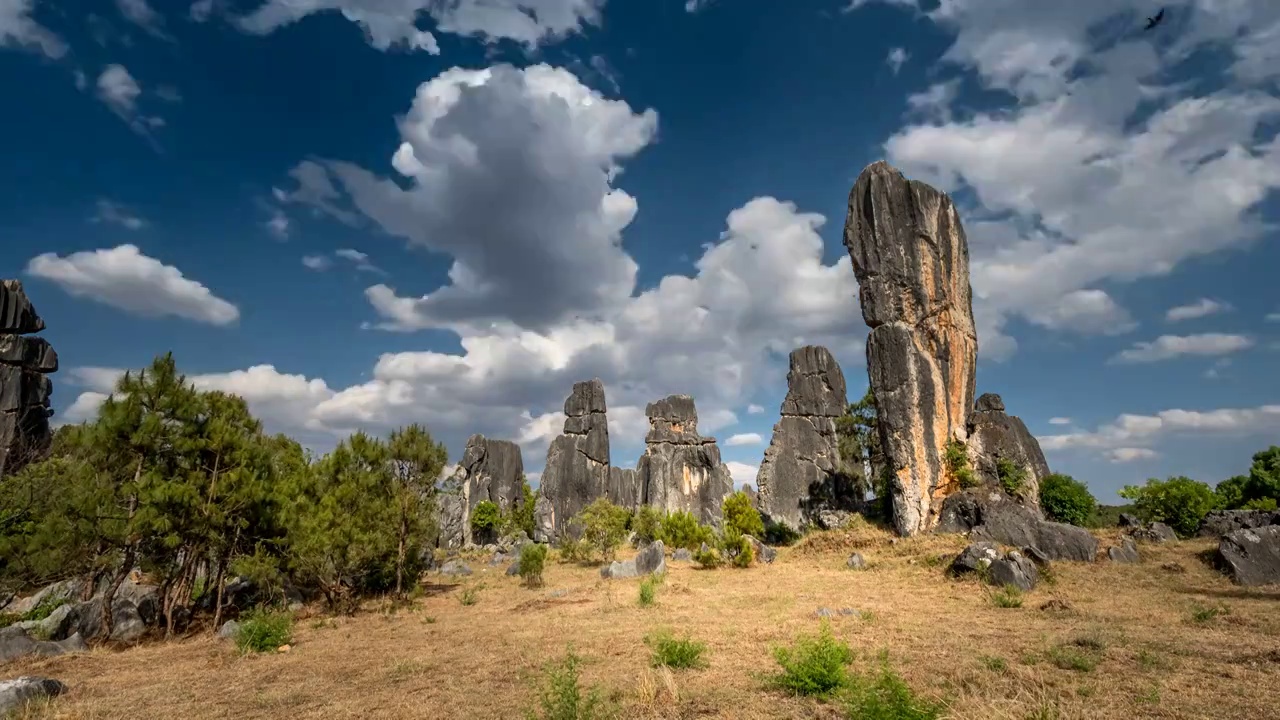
(1167, 644)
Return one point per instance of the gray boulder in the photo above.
(682, 555)
(1222, 522)
(513, 569)
(16, 643)
(229, 630)
(681, 471)
(995, 436)
(911, 260)
(992, 516)
(976, 557)
(577, 467)
(651, 560)
(801, 472)
(1013, 568)
(761, 552)
(15, 694)
(1129, 520)
(1125, 552)
(1251, 556)
(455, 568)
(855, 562)
(1156, 532)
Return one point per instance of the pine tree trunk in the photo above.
(217, 607)
(400, 556)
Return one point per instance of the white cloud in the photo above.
(896, 59)
(316, 262)
(1130, 430)
(1128, 454)
(144, 16)
(278, 224)
(113, 213)
(124, 278)
(1101, 172)
(394, 23)
(754, 409)
(1167, 347)
(1060, 421)
(19, 29)
(359, 260)
(120, 92)
(1273, 317)
(744, 439)
(1203, 307)
(1089, 312)
(905, 4)
(742, 473)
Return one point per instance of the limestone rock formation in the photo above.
(577, 469)
(624, 489)
(24, 384)
(1251, 556)
(911, 259)
(992, 515)
(801, 472)
(491, 470)
(680, 470)
(995, 436)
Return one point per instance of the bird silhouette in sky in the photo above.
(1154, 20)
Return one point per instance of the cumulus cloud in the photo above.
(278, 224)
(896, 59)
(1129, 431)
(1128, 454)
(742, 473)
(113, 213)
(1089, 312)
(124, 278)
(1204, 307)
(394, 23)
(1168, 347)
(18, 29)
(140, 13)
(754, 409)
(1098, 123)
(1273, 317)
(744, 439)
(316, 262)
(119, 91)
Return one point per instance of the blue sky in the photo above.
(449, 212)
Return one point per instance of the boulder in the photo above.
(680, 470)
(1125, 552)
(25, 389)
(801, 472)
(17, 643)
(16, 694)
(976, 557)
(996, 436)
(577, 467)
(761, 552)
(1156, 532)
(513, 569)
(992, 516)
(682, 555)
(229, 630)
(1222, 522)
(911, 261)
(455, 568)
(1013, 568)
(1251, 556)
(1129, 520)
(651, 560)
(855, 562)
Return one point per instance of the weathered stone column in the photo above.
(24, 384)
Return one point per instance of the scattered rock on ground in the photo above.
(652, 560)
(1125, 552)
(1173, 567)
(1156, 532)
(1251, 556)
(1221, 522)
(976, 557)
(1129, 520)
(823, 612)
(455, 567)
(993, 516)
(229, 630)
(855, 562)
(16, 643)
(15, 694)
(1014, 568)
(763, 553)
(682, 555)
(513, 569)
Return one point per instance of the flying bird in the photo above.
(1154, 20)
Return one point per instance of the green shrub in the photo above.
(648, 591)
(7, 619)
(574, 551)
(1009, 596)
(1079, 659)
(1065, 499)
(533, 558)
(470, 596)
(1267, 504)
(682, 530)
(562, 697)
(708, 558)
(676, 653)
(44, 608)
(264, 630)
(1179, 502)
(1203, 615)
(1012, 477)
(815, 665)
(486, 516)
(521, 515)
(741, 517)
(604, 527)
(776, 533)
(956, 459)
(647, 524)
(887, 697)
(737, 548)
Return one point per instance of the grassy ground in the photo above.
(1138, 641)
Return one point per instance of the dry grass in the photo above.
(439, 658)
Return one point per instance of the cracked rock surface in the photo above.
(577, 469)
(680, 470)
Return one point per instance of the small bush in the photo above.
(887, 697)
(682, 530)
(1067, 500)
(533, 558)
(737, 549)
(1009, 596)
(1012, 476)
(740, 516)
(264, 631)
(563, 698)
(604, 527)
(709, 558)
(486, 516)
(994, 663)
(956, 459)
(1203, 615)
(574, 551)
(7, 619)
(815, 665)
(648, 591)
(676, 653)
(44, 608)
(469, 596)
(647, 524)
(1179, 502)
(776, 533)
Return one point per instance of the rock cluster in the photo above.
(911, 260)
(1223, 522)
(16, 694)
(996, 436)
(802, 473)
(680, 470)
(1001, 568)
(993, 516)
(135, 609)
(577, 469)
(490, 470)
(25, 362)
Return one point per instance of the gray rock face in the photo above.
(911, 260)
(994, 435)
(682, 555)
(15, 694)
(455, 567)
(680, 470)
(577, 469)
(1125, 552)
(24, 386)
(1014, 569)
(762, 553)
(651, 560)
(1156, 532)
(1222, 522)
(801, 472)
(17, 643)
(490, 470)
(976, 557)
(993, 516)
(1129, 520)
(229, 630)
(1251, 556)
(624, 488)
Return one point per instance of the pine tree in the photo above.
(416, 463)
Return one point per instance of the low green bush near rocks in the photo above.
(563, 697)
(264, 630)
(533, 558)
(678, 653)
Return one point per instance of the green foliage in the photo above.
(470, 596)
(1009, 596)
(647, 524)
(574, 550)
(1259, 490)
(1108, 516)
(886, 696)
(1202, 615)
(1065, 499)
(708, 558)
(533, 558)
(682, 530)
(776, 533)
(1179, 502)
(1073, 657)
(648, 592)
(562, 697)
(1265, 504)
(737, 548)
(814, 665)
(521, 515)
(604, 527)
(264, 631)
(485, 516)
(676, 653)
(858, 442)
(741, 517)
(956, 458)
(1012, 477)
(44, 608)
